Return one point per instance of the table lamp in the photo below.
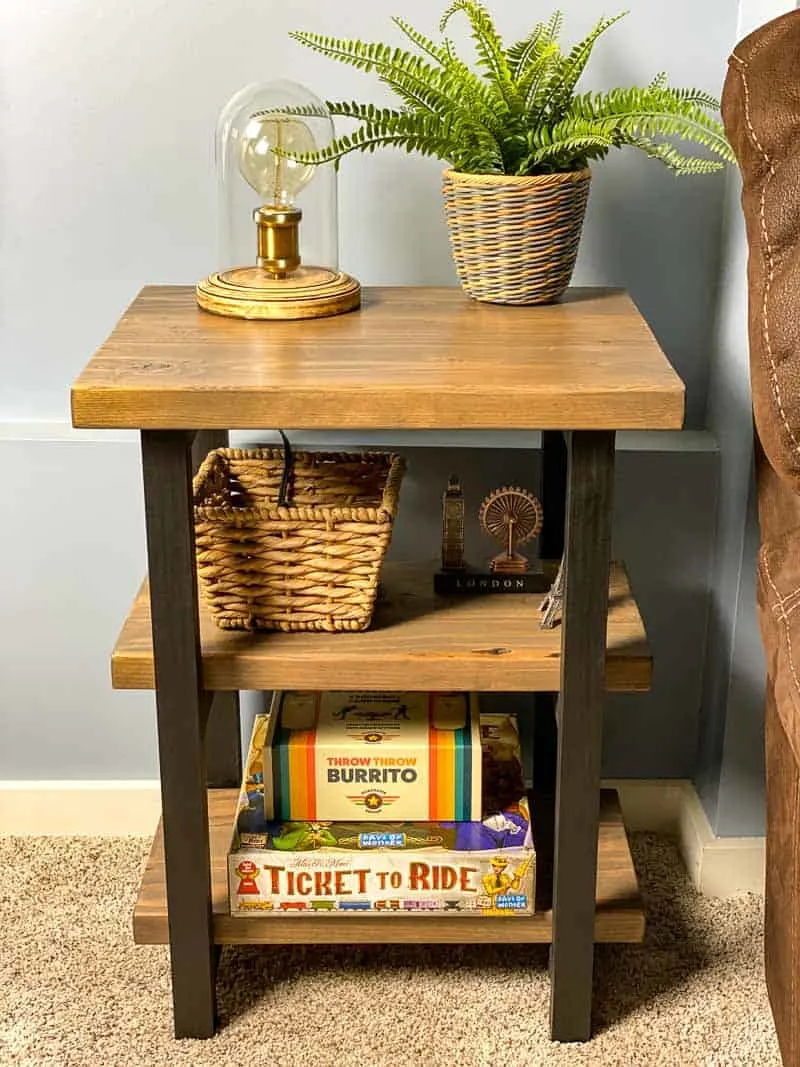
(291, 250)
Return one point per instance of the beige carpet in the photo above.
(76, 992)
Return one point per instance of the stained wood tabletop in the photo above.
(410, 358)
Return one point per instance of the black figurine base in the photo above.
(479, 583)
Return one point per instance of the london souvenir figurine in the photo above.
(453, 526)
(512, 516)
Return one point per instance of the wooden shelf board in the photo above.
(417, 641)
(411, 358)
(619, 916)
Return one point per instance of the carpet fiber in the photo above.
(76, 992)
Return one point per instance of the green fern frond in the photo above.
(517, 55)
(441, 54)
(574, 152)
(695, 96)
(489, 46)
(554, 26)
(562, 86)
(472, 90)
(652, 112)
(675, 160)
(419, 84)
(427, 134)
(295, 111)
(535, 83)
(349, 109)
(409, 73)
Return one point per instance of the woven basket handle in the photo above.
(286, 479)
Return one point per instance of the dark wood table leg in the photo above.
(223, 732)
(554, 493)
(554, 497)
(545, 736)
(224, 742)
(182, 708)
(580, 714)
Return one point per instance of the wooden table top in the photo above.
(410, 358)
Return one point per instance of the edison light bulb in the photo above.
(275, 177)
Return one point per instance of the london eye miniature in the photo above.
(512, 516)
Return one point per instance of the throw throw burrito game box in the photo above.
(385, 756)
(315, 867)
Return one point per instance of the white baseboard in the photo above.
(92, 809)
(718, 866)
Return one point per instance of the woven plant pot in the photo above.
(312, 564)
(515, 239)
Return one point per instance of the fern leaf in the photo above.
(437, 52)
(471, 90)
(675, 160)
(413, 76)
(540, 65)
(298, 110)
(562, 86)
(426, 134)
(517, 55)
(554, 26)
(536, 82)
(489, 46)
(568, 153)
(696, 96)
(652, 112)
(419, 84)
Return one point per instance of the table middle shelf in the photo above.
(418, 641)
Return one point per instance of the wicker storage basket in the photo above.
(515, 239)
(312, 564)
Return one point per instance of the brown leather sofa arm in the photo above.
(761, 112)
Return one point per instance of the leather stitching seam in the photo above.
(766, 248)
(783, 617)
(784, 611)
(793, 594)
(783, 606)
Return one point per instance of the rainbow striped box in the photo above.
(387, 757)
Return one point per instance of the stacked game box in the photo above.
(396, 757)
(288, 858)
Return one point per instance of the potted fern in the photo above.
(518, 140)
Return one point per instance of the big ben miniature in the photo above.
(453, 526)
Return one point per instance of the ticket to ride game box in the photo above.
(319, 867)
(389, 756)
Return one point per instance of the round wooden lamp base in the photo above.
(253, 293)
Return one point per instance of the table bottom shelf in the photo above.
(619, 916)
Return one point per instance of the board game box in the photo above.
(318, 867)
(384, 756)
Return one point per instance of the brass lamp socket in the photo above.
(278, 240)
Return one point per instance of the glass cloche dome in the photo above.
(278, 237)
